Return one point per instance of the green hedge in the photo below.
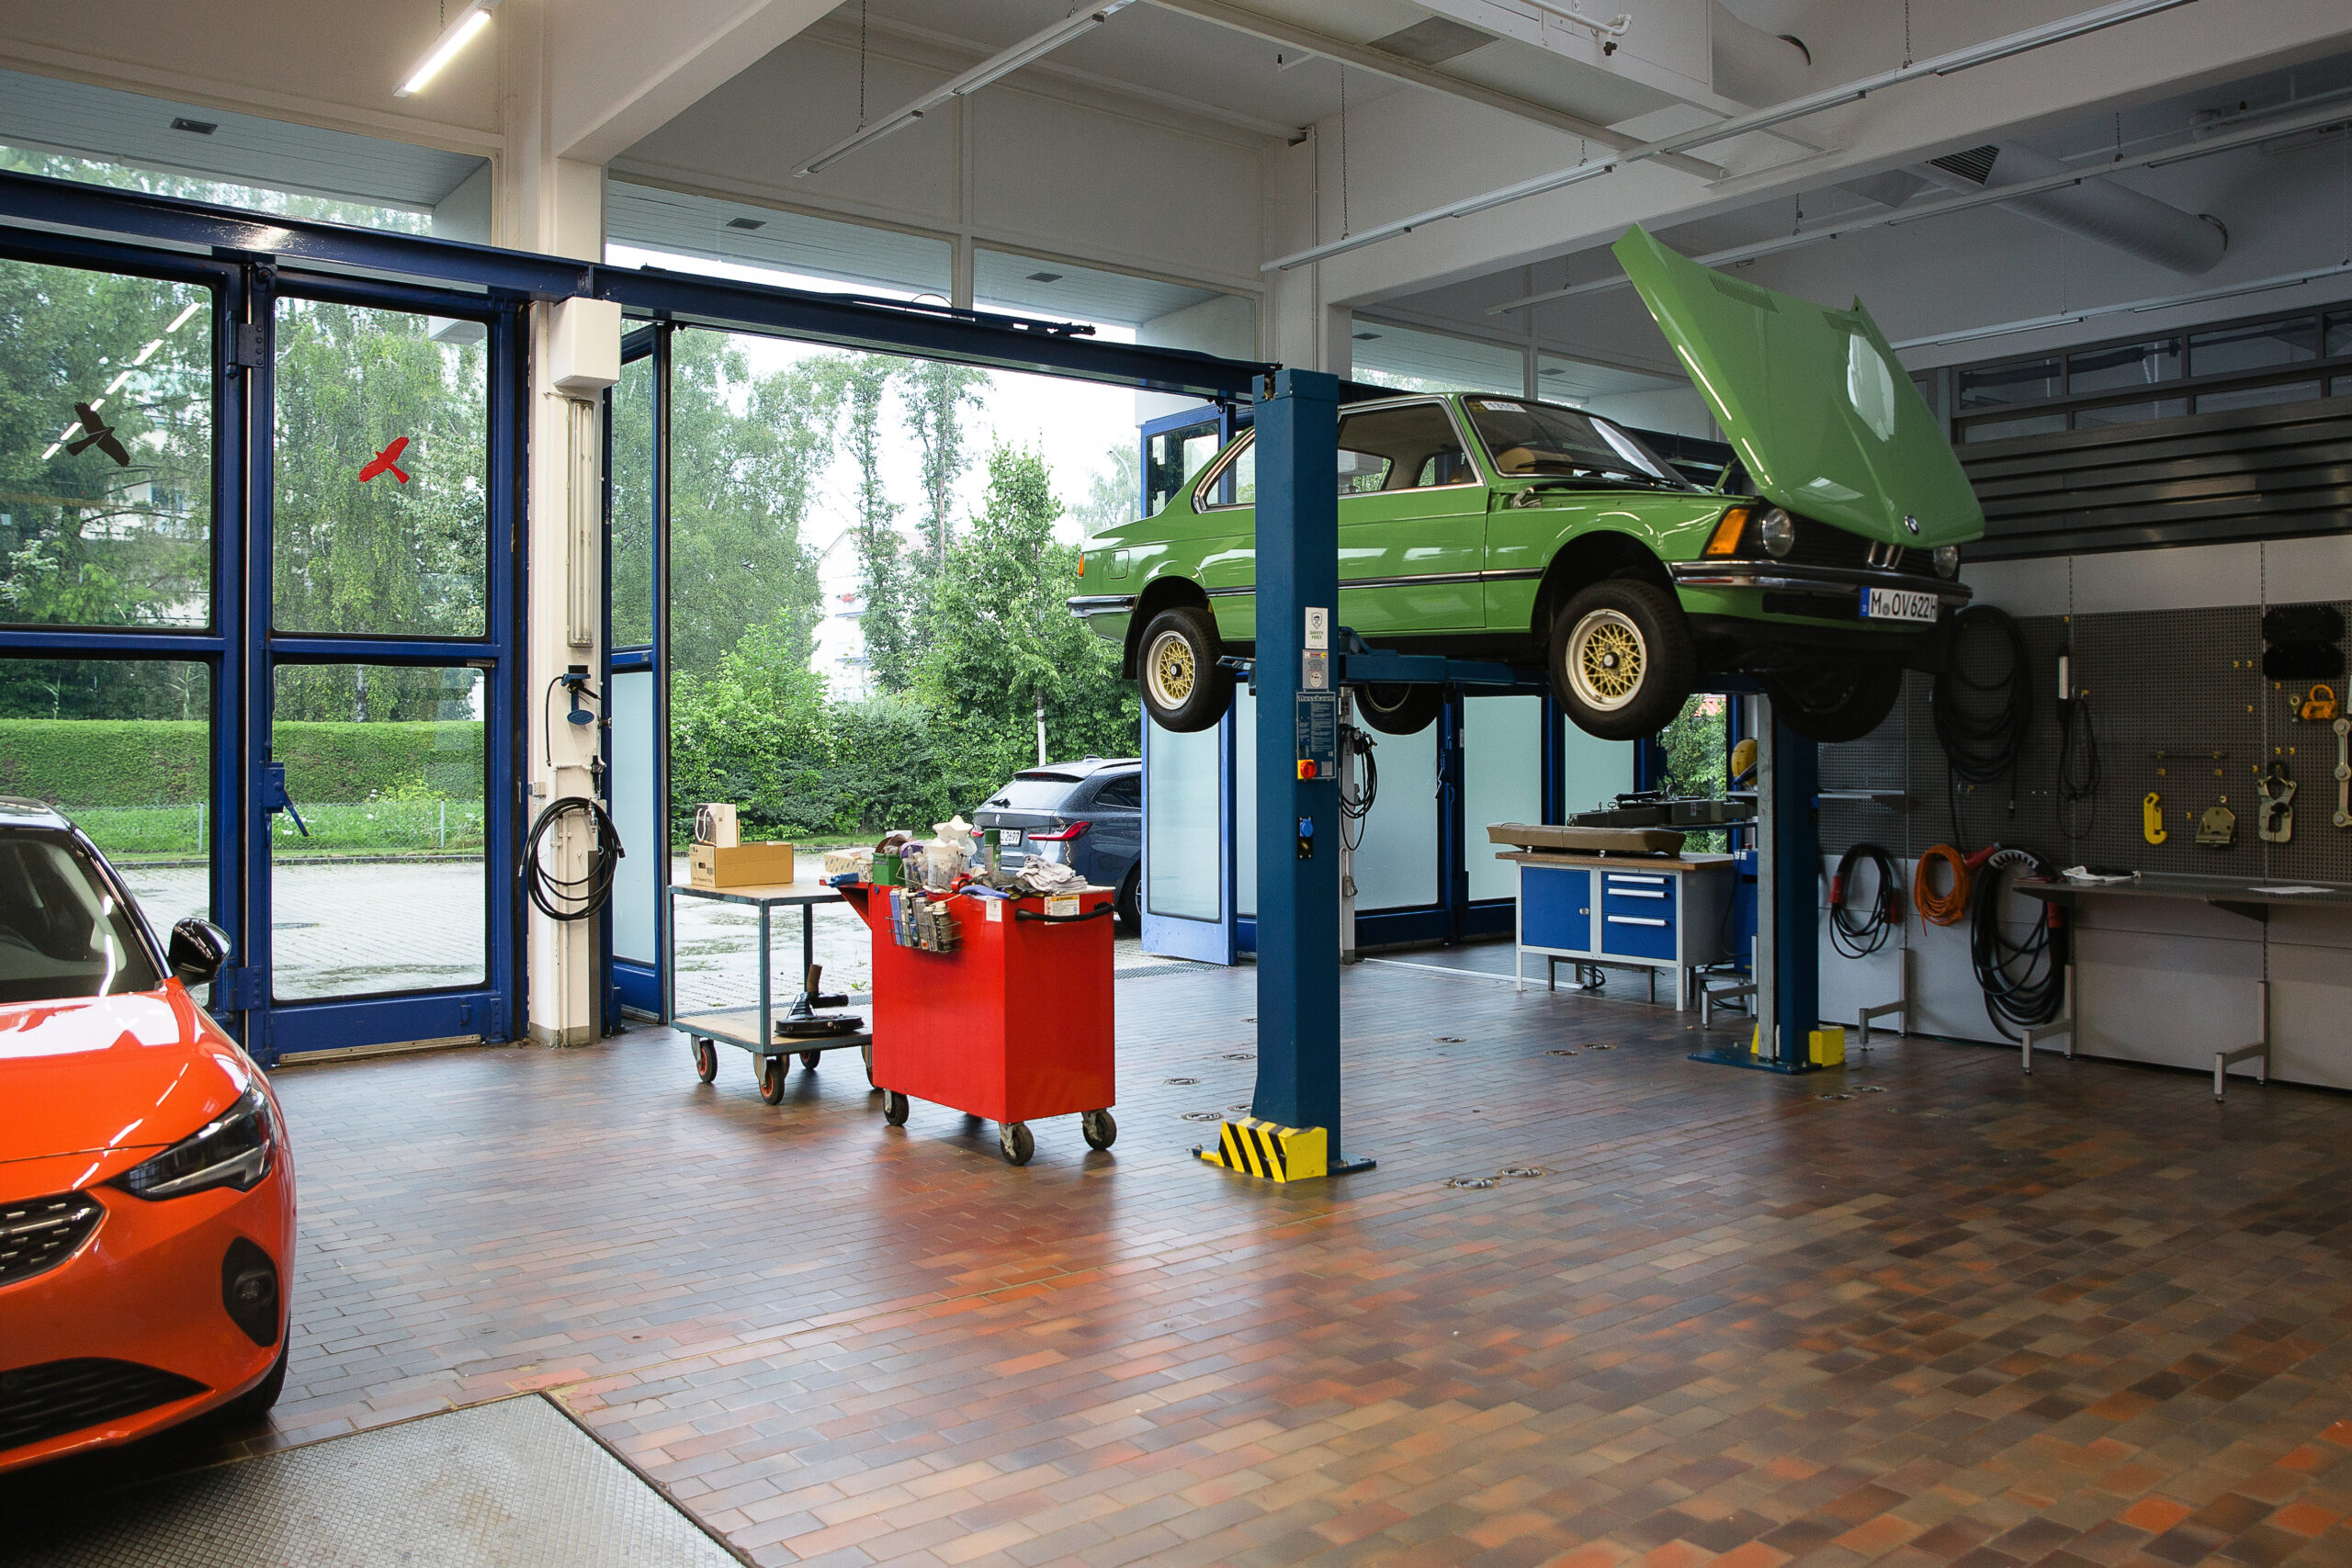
(78, 762)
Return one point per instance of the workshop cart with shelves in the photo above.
(753, 1028)
(1013, 1023)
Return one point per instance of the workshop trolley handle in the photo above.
(1065, 920)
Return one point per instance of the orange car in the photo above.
(146, 1195)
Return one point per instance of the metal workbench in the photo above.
(753, 1028)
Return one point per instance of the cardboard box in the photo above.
(745, 865)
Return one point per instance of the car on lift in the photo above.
(146, 1189)
(1504, 528)
(1087, 814)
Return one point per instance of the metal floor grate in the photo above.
(509, 1483)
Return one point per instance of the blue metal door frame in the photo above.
(491, 1009)
(639, 985)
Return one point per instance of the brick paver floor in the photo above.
(1960, 1317)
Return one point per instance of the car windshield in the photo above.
(1537, 441)
(1034, 792)
(62, 934)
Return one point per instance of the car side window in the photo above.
(1123, 791)
(1409, 446)
(1233, 483)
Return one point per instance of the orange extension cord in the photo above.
(1941, 908)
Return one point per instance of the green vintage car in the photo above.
(1502, 528)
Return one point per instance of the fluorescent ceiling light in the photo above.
(996, 67)
(454, 37)
(1957, 61)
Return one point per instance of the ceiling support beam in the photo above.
(1396, 68)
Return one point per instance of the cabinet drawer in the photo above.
(1649, 896)
(1647, 934)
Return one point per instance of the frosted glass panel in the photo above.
(633, 886)
(1179, 806)
(1502, 781)
(1596, 771)
(1245, 801)
(1397, 863)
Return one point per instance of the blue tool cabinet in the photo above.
(1656, 914)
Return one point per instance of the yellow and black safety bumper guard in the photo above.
(1267, 1149)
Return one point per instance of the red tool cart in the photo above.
(1012, 1022)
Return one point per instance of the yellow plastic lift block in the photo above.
(1277, 1153)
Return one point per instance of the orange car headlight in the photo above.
(236, 1149)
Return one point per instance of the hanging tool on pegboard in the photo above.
(2344, 772)
(2319, 703)
(2275, 824)
(2218, 829)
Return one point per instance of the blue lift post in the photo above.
(1298, 815)
(1788, 969)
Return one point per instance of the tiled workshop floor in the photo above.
(1975, 1319)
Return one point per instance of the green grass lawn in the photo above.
(369, 827)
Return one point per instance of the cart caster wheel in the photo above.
(865, 1051)
(894, 1107)
(1014, 1140)
(1101, 1130)
(705, 1059)
(810, 1058)
(772, 1070)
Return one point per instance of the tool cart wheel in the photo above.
(772, 1075)
(894, 1107)
(1101, 1130)
(810, 1058)
(865, 1052)
(1014, 1140)
(705, 1059)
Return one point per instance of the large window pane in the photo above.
(1502, 781)
(1176, 455)
(2131, 414)
(2255, 347)
(124, 749)
(2129, 365)
(632, 475)
(1994, 386)
(105, 449)
(2257, 397)
(1181, 796)
(388, 892)
(1415, 361)
(2006, 429)
(639, 884)
(381, 516)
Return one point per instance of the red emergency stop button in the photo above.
(1306, 768)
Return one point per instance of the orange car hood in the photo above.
(138, 1071)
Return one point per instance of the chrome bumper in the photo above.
(1086, 607)
(1775, 575)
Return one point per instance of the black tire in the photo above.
(895, 1108)
(1017, 1142)
(1397, 708)
(255, 1403)
(1100, 1129)
(1129, 903)
(1621, 659)
(1184, 689)
(705, 1059)
(1838, 701)
(865, 1053)
(774, 1071)
(810, 1059)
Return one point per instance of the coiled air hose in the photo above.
(1981, 724)
(1859, 934)
(1946, 907)
(2024, 981)
(572, 898)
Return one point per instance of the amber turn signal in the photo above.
(1725, 540)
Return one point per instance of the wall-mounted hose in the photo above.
(2024, 981)
(572, 898)
(1858, 933)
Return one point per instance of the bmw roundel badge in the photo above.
(1912, 524)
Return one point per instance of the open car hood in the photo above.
(1822, 413)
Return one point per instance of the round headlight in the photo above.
(1947, 561)
(1778, 532)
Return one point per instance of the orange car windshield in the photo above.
(64, 932)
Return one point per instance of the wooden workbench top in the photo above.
(1628, 861)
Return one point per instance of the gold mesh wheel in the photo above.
(1606, 660)
(1173, 669)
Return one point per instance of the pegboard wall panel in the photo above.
(2185, 684)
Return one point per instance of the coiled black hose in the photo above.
(1858, 935)
(585, 893)
(1981, 724)
(2024, 982)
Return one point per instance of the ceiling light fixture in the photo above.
(996, 67)
(1949, 64)
(196, 127)
(454, 37)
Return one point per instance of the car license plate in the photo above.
(1898, 604)
(1008, 836)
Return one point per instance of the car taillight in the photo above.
(1072, 832)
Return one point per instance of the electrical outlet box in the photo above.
(584, 347)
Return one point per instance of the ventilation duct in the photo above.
(1755, 67)
(2113, 214)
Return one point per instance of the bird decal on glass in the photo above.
(98, 433)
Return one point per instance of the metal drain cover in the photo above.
(1203, 1115)
(490, 1487)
